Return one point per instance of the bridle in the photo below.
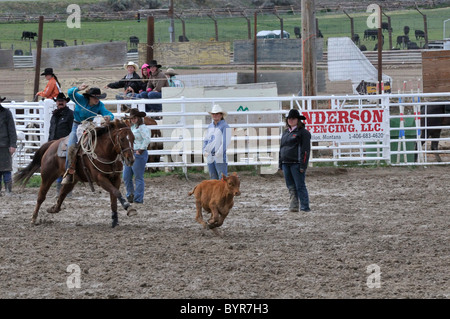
(89, 143)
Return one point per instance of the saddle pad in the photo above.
(62, 147)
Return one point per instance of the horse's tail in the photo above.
(24, 175)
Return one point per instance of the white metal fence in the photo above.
(257, 142)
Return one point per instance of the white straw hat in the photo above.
(136, 67)
(218, 109)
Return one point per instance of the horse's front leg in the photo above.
(66, 189)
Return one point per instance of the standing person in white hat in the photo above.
(217, 139)
(171, 78)
(129, 83)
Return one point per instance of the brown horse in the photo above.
(99, 160)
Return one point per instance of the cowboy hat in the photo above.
(218, 109)
(94, 92)
(131, 63)
(48, 71)
(135, 112)
(61, 96)
(154, 63)
(170, 71)
(2, 99)
(293, 113)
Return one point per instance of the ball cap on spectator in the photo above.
(218, 109)
(136, 112)
(94, 92)
(61, 96)
(295, 114)
(48, 71)
(131, 63)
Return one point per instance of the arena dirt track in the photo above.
(396, 218)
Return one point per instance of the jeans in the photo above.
(137, 170)
(216, 170)
(151, 95)
(72, 141)
(296, 181)
(6, 177)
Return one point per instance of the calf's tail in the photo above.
(192, 192)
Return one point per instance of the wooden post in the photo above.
(172, 25)
(308, 49)
(380, 52)
(249, 28)
(255, 51)
(38, 56)
(150, 37)
(389, 30)
(352, 25)
(215, 26)
(281, 25)
(183, 26)
(425, 27)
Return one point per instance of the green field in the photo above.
(229, 29)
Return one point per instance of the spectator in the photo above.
(53, 86)
(8, 140)
(154, 86)
(171, 78)
(215, 144)
(129, 83)
(60, 124)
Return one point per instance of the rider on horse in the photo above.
(87, 106)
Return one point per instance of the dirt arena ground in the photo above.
(395, 218)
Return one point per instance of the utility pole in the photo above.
(150, 37)
(38, 56)
(308, 49)
(172, 25)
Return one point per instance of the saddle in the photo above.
(62, 147)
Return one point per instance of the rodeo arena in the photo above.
(377, 176)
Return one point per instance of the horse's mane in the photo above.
(110, 126)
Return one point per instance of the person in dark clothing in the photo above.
(60, 124)
(8, 145)
(129, 83)
(295, 148)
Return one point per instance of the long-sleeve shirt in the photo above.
(83, 110)
(216, 141)
(295, 147)
(157, 81)
(141, 136)
(51, 90)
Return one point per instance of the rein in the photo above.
(89, 143)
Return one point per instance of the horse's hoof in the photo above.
(115, 222)
(131, 211)
(52, 210)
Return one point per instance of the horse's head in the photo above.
(123, 143)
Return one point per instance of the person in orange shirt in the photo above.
(53, 87)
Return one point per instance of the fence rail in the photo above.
(257, 143)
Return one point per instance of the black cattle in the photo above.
(385, 26)
(183, 38)
(406, 30)
(363, 47)
(134, 41)
(28, 35)
(412, 46)
(355, 39)
(419, 34)
(319, 34)
(402, 40)
(297, 32)
(18, 52)
(59, 43)
(132, 50)
(370, 34)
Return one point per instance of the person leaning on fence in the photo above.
(217, 139)
(135, 193)
(130, 83)
(295, 148)
(53, 86)
(60, 124)
(154, 87)
(171, 78)
(8, 145)
(87, 106)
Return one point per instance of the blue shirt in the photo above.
(83, 110)
(141, 136)
(216, 141)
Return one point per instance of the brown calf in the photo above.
(217, 198)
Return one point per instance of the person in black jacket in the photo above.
(8, 145)
(129, 83)
(295, 148)
(60, 124)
